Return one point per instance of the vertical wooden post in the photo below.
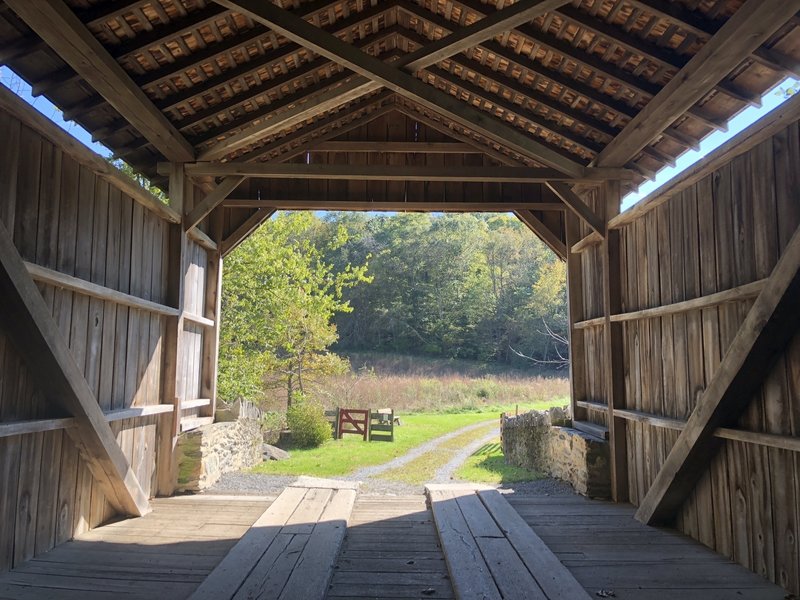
(577, 351)
(172, 372)
(613, 367)
(213, 306)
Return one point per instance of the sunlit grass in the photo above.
(423, 469)
(488, 465)
(342, 457)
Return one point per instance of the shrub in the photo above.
(306, 420)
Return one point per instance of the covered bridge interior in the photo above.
(683, 310)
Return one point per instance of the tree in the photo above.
(278, 303)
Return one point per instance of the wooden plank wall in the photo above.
(722, 230)
(68, 218)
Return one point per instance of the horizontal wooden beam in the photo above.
(398, 147)
(397, 206)
(57, 25)
(736, 294)
(195, 403)
(39, 425)
(390, 173)
(198, 320)
(36, 336)
(770, 440)
(75, 284)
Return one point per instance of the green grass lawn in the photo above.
(341, 457)
(423, 469)
(487, 465)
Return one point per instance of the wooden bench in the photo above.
(491, 553)
(290, 551)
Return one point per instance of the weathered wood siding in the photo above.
(66, 217)
(722, 230)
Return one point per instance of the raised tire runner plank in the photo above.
(469, 573)
(314, 569)
(552, 576)
(291, 550)
(225, 580)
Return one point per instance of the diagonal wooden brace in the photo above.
(35, 334)
(769, 327)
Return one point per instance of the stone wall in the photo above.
(207, 452)
(542, 441)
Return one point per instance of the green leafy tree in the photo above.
(279, 299)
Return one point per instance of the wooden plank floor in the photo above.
(290, 551)
(491, 553)
(391, 551)
(606, 549)
(166, 554)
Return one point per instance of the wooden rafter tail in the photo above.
(769, 326)
(749, 27)
(56, 24)
(554, 242)
(386, 75)
(38, 339)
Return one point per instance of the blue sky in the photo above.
(772, 99)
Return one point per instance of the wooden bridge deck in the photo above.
(391, 550)
(166, 554)
(605, 548)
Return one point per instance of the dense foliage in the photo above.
(306, 420)
(279, 298)
(476, 287)
(459, 286)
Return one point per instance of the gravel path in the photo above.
(447, 473)
(369, 472)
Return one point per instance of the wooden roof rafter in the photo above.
(637, 86)
(226, 78)
(56, 23)
(390, 77)
(454, 43)
(742, 34)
